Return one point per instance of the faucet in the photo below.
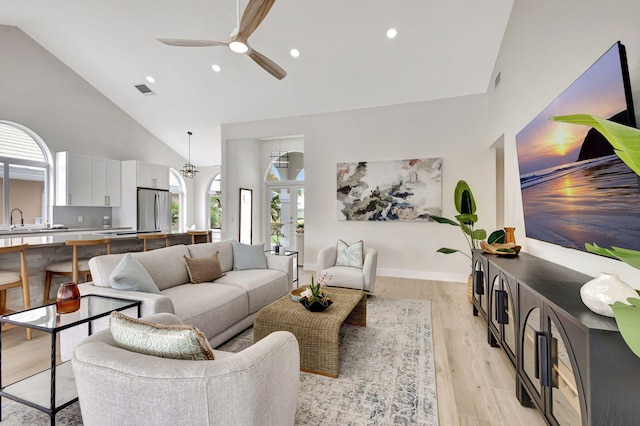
(11, 225)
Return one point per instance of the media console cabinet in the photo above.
(571, 363)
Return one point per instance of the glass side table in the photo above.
(295, 262)
(53, 389)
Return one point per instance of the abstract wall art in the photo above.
(396, 190)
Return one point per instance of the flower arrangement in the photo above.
(315, 294)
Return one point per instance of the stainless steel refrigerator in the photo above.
(154, 210)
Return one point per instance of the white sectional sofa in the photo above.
(220, 309)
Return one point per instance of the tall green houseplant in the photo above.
(626, 144)
(465, 220)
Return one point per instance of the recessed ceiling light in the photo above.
(215, 67)
(295, 53)
(392, 33)
(151, 79)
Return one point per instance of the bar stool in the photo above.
(197, 233)
(74, 268)
(10, 279)
(145, 237)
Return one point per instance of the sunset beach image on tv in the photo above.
(575, 189)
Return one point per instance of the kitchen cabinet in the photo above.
(106, 182)
(150, 175)
(74, 179)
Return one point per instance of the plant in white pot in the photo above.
(626, 144)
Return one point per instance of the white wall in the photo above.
(454, 129)
(547, 45)
(43, 94)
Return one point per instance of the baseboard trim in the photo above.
(411, 274)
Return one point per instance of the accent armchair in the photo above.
(257, 386)
(347, 276)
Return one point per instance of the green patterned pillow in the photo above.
(349, 255)
(165, 341)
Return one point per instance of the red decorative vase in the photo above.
(68, 298)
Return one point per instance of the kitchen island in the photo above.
(47, 246)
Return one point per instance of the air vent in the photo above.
(496, 81)
(144, 89)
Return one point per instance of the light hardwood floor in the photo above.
(475, 382)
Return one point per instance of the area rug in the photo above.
(387, 374)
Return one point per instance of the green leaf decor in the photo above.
(628, 320)
(624, 139)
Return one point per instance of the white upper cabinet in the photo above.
(82, 180)
(106, 182)
(150, 175)
(74, 179)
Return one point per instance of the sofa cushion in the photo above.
(349, 255)
(203, 269)
(211, 307)
(165, 341)
(247, 256)
(262, 286)
(223, 248)
(345, 276)
(165, 265)
(130, 275)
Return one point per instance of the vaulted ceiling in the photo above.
(443, 49)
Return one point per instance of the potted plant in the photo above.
(625, 141)
(465, 220)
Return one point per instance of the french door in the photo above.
(285, 209)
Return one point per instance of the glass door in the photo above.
(286, 212)
(565, 402)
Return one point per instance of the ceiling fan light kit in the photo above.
(253, 15)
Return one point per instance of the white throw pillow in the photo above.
(350, 255)
(130, 275)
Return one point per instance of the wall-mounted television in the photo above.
(575, 189)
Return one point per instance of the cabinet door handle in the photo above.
(501, 307)
(105, 201)
(69, 199)
(108, 200)
(479, 282)
(542, 358)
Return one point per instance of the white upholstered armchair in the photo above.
(257, 386)
(347, 276)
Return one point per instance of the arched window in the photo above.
(215, 207)
(25, 167)
(178, 200)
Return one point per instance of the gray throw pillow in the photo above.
(247, 256)
(130, 275)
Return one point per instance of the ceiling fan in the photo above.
(252, 16)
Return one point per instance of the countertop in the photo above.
(36, 239)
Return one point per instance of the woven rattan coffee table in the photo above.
(317, 332)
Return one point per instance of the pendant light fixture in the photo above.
(189, 170)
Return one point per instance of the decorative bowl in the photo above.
(295, 293)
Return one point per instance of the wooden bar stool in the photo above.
(74, 268)
(145, 237)
(10, 279)
(194, 234)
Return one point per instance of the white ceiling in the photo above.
(443, 49)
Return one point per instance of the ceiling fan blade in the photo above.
(266, 63)
(191, 43)
(252, 16)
